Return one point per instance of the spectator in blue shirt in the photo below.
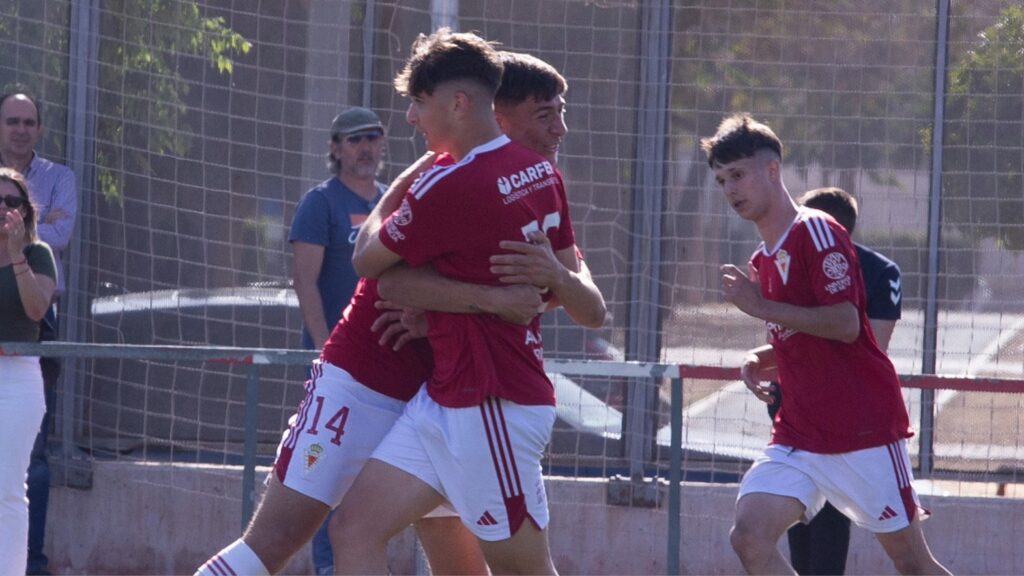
(53, 192)
(327, 219)
(322, 236)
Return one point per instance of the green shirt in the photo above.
(15, 326)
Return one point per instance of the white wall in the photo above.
(167, 519)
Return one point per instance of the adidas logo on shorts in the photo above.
(888, 514)
(487, 520)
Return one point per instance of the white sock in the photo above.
(235, 560)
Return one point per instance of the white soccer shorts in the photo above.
(338, 425)
(872, 486)
(485, 460)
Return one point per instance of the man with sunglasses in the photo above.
(52, 189)
(322, 236)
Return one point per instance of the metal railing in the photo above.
(637, 373)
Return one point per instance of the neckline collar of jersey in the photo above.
(800, 213)
(494, 144)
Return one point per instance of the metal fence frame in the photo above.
(255, 358)
(639, 373)
(643, 318)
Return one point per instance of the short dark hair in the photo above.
(19, 92)
(835, 202)
(527, 77)
(445, 56)
(739, 136)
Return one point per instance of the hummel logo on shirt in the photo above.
(888, 514)
(487, 520)
(896, 292)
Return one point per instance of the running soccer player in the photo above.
(475, 434)
(821, 545)
(841, 432)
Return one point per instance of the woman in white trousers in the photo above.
(27, 280)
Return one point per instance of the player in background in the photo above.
(450, 548)
(841, 432)
(475, 434)
(821, 545)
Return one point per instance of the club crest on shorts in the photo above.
(314, 453)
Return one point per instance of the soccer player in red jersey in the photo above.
(475, 434)
(821, 545)
(841, 433)
(358, 387)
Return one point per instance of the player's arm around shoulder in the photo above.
(577, 292)
(535, 263)
(370, 257)
(425, 289)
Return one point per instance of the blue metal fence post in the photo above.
(252, 400)
(675, 477)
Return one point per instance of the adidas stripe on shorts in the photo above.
(485, 460)
(872, 486)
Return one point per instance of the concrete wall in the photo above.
(167, 519)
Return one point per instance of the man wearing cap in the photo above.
(327, 219)
(322, 236)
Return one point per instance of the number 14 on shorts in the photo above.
(335, 424)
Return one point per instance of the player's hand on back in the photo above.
(532, 262)
(404, 180)
(518, 304)
(398, 325)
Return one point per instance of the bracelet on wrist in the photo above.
(22, 261)
(23, 272)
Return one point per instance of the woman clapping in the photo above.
(27, 280)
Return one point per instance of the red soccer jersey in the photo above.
(353, 347)
(838, 397)
(454, 217)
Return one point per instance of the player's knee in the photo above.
(346, 533)
(746, 542)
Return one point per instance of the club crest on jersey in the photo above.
(314, 454)
(404, 214)
(401, 217)
(782, 260)
(836, 267)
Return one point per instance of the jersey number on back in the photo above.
(552, 220)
